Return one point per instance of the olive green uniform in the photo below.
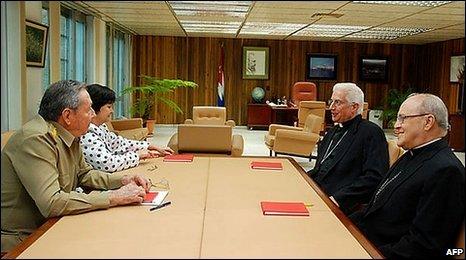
(42, 165)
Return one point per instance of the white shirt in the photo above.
(108, 152)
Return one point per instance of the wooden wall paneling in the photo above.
(425, 68)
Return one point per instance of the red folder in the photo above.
(267, 165)
(284, 208)
(179, 158)
(154, 197)
(150, 196)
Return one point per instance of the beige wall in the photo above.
(24, 84)
(33, 74)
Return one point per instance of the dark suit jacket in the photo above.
(360, 162)
(420, 213)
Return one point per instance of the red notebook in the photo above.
(179, 158)
(284, 208)
(267, 165)
(154, 197)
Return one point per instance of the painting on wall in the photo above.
(255, 62)
(36, 43)
(373, 69)
(456, 68)
(321, 66)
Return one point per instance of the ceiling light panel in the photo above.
(329, 30)
(199, 16)
(207, 26)
(387, 33)
(205, 8)
(270, 28)
(406, 3)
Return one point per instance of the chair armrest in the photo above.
(237, 145)
(173, 143)
(274, 127)
(296, 135)
(125, 124)
(189, 121)
(230, 123)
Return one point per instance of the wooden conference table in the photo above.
(215, 213)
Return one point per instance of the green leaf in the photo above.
(152, 90)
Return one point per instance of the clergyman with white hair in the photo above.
(352, 158)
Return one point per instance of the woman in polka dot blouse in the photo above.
(105, 150)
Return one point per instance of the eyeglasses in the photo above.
(162, 184)
(336, 102)
(401, 118)
(153, 167)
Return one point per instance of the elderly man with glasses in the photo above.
(418, 209)
(353, 157)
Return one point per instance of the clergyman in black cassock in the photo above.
(418, 209)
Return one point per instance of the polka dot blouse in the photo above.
(108, 152)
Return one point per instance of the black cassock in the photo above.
(351, 162)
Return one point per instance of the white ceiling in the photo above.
(292, 20)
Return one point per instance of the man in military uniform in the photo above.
(42, 165)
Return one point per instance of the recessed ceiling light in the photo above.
(329, 30)
(203, 8)
(409, 3)
(387, 33)
(270, 28)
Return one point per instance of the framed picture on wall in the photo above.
(456, 68)
(36, 43)
(255, 62)
(373, 69)
(321, 66)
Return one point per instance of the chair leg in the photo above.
(270, 153)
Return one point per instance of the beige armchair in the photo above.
(297, 141)
(6, 136)
(209, 139)
(365, 110)
(394, 151)
(311, 107)
(128, 128)
(207, 115)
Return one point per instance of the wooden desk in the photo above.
(215, 212)
(259, 116)
(262, 115)
(284, 115)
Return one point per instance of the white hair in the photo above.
(432, 104)
(353, 94)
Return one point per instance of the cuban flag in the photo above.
(221, 81)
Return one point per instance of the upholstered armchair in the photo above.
(303, 91)
(394, 151)
(206, 139)
(365, 110)
(128, 128)
(6, 136)
(311, 107)
(207, 115)
(297, 141)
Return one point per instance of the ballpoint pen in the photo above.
(161, 205)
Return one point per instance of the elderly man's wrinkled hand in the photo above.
(127, 194)
(138, 180)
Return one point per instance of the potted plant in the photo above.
(394, 100)
(152, 90)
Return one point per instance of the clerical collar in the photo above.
(349, 122)
(419, 148)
